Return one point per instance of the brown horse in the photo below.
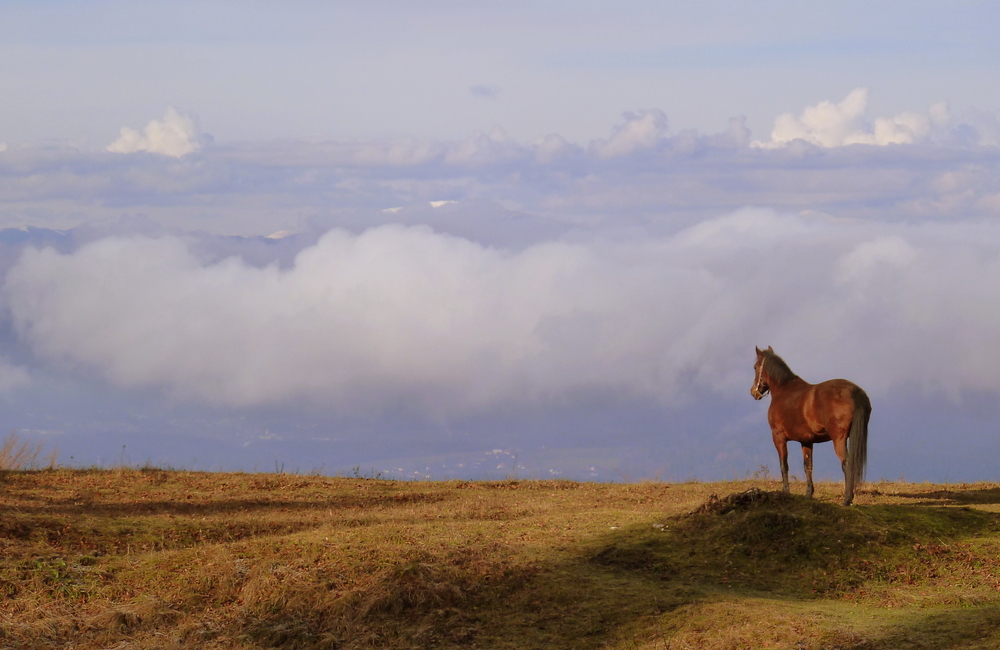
(809, 413)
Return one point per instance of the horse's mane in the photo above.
(777, 369)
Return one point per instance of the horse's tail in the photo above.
(857, 441)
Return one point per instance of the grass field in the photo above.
(147, 558)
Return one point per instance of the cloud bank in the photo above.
(642, 174)
(406, 317)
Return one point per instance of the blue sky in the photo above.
(465, 240)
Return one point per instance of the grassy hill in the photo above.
(170, 559)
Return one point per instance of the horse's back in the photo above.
(835, 401)
(837, 389)
(842, 390)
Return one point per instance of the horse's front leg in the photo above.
(807, 463)
(781, 444)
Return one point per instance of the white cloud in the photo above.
(406, 316)
(734, 137)
(642, 131)
(486, 148)
(553, 147)
(979, 127)
(837, 125)
(176, 135)
(905, 128)
(863, 261)
(394, 312)
(826, 124)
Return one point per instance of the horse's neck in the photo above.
(792, 385)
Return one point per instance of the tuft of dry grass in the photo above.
(147, 558)
(19, 454)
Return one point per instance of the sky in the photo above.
(488, 240)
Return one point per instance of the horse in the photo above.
(835, 410)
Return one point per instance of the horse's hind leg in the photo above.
(840, 446)
(782, 446)
(807, 462)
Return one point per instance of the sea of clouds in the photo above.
(406, 315)
(440, 282)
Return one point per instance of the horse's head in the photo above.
(760, 378)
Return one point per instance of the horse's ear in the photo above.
(758, 350)
(770, 349)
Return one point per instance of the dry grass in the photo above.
(17, 453)
(162, 559)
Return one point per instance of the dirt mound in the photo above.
(742, 501)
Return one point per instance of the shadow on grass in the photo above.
(785, 549)
(955, 497)
(60, 535)
(89, 505)
(101, 527)
(791, 549)
(966, 629)
(774, 546)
